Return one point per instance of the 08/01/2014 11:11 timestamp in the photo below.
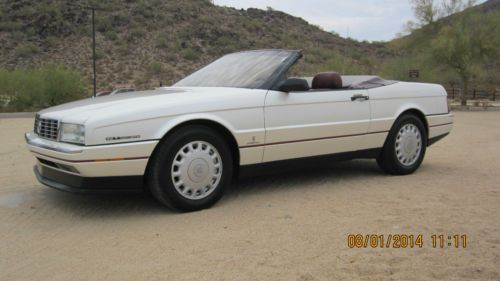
(405, 241)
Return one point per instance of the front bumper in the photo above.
(76, 184)
(80, 168)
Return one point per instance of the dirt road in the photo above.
(288, 226)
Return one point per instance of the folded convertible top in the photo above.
(360, 81)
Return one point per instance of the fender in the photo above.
(177, 120)
(243, 156)
(409, 106)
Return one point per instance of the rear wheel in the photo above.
(190, 169)
(405, 146)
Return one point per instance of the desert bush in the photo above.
(171, 57)
(31, 89)
(27, 49)
(135, 33)
(111, 35)
(50, 41)
(161, 41)
(60, 84)
(190, 54)
(104, 24)
(10, 26)
(17, 36)
(99, 54)
(155, 68)
(22, 88)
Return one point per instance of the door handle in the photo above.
(359, 97)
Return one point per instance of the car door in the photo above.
(315, 122)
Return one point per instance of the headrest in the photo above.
(327, 80)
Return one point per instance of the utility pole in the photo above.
(94, 73)
(93, 49)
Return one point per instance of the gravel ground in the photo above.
(286, 226)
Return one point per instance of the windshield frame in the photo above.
(274, 78)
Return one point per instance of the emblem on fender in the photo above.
(123, 138)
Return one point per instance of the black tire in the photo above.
(388, 160)
(159, 177)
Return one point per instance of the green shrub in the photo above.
(111, 35)
(103, 24)
(22, 88)
(135, 33)
(161, 41)
(26, 50)
(17, 36)
(190, 54)
(50, 41)
(60, 84)
(155, 68)
(99, 54)
(32, 89)
(10, 26)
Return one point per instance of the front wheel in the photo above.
(405, 146)
(190, 169)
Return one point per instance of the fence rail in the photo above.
(475, 94)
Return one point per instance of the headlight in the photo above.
(72, 133)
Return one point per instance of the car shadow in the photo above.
(273, 178)
(260, 180)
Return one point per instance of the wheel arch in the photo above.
(215, 124)
(419, 114)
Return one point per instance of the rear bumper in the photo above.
(439, 126)
(76, 184)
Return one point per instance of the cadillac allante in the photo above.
(185, 143)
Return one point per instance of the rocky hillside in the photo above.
(147, 41)
(476, 27)
(489, 6)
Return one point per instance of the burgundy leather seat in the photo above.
(327, 80)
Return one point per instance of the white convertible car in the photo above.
(185, 142)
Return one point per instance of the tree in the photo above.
(451, 7)
(426, 12)
(466, 45)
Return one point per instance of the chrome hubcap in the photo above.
(408, 144)
(196, 170)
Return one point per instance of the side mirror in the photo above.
(294, 85)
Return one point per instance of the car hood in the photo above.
(148, 104)
(104, 102)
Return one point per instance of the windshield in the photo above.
(251, 70)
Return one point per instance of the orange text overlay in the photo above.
(406, 241)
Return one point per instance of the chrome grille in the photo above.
(46, 128)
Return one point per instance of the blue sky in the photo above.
(372, 20)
